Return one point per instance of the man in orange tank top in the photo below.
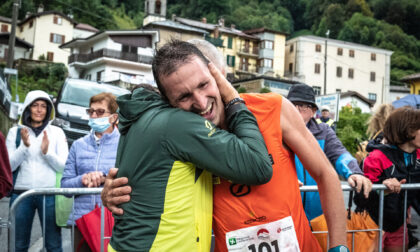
(270, 216)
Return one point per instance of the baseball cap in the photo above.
(325, 107)
(302, 93)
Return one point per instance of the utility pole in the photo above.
(12, 37)
(325, 63)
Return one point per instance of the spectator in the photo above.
(42, 153)
(377, 121)
(393, 164)
(91, 157)
(325, 117)
(303, 97)
(5, 170)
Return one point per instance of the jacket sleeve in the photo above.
(374, 165)
(71, 178)
(56, 155)
(345, 164)
(16, 155)
(5, 170)
(239, 155)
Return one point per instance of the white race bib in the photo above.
(269, 237)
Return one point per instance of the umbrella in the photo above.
(408, 100)
(90, 227)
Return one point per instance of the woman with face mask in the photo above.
(92, 156)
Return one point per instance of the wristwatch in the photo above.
(339, 248)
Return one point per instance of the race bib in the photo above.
(270, 237)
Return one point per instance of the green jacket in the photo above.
(169, 156)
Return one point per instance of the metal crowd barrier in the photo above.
(82, 191)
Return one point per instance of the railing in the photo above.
(248, 51)
(108, 53)
(84, 191)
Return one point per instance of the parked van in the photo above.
(72, 102)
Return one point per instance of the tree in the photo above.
(351, 126)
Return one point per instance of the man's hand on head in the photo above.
(115, 192)
(360, 182)
(227, 91)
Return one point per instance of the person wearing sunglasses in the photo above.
(92, 156)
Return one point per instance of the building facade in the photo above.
(121, 57)
(413, 81)
(349, 67)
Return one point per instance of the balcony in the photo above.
(247, 51)
(248, 69)
(215, 41)
(108, 53)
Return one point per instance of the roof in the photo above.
(263, 29)
(19, 42)
(400, 89)
(212, 27)
(340, 42)
(5, 20)
(266, 77)
(77, 41)
(411, 77)
(176, 25)
(86, 27)
(34, 15)
(358, 95)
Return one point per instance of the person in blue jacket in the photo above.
(92, 156)
(303, 97)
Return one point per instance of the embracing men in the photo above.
(157, 211)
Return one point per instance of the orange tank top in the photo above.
(237, 207)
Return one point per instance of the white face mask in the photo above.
(99, 124)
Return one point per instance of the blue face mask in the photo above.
(99, 124)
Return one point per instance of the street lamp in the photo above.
(325, 63)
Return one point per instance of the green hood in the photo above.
(133, 106)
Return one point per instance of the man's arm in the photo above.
(345, 164)
(301, 141)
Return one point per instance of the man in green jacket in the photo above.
(169, 155)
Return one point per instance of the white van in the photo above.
(72, 102)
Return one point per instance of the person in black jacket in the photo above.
(393, 164)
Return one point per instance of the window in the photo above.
(291, 48)
(230, 41)
(244, 64)
(317, 90)
(372, 96)
(351, 53)
(88, 77)
(317, 48)
(56, 38)
(317, 68)
(99, 75)
(373, 56)
(290, 67)
(57, 20)
(267, 44)
(340, 51)
(31, 23)
(339, 71)
(157, 7)
(50, 56)
(338, 90)
(230, 61)
(4, 28)
(267, 63)
(372, 76)
(129, 49)
(351, 73)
